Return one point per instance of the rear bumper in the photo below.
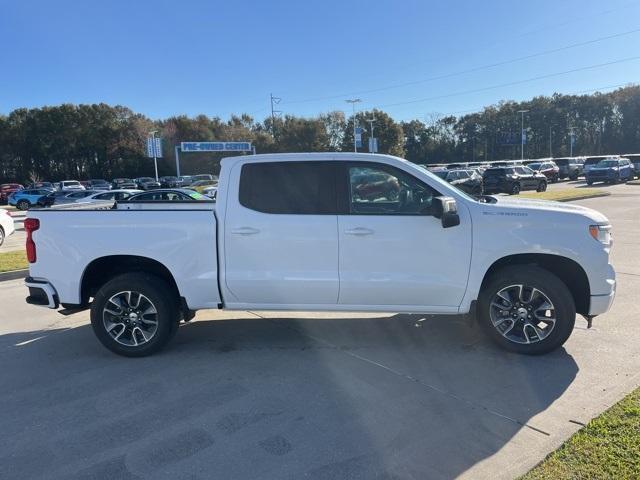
(41, 293)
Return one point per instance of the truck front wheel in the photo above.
(526, 309)
(134, 314)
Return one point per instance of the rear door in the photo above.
(527, 177)
(393, 251)
(280, 236)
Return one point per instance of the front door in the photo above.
(393, 251)
(281, 239)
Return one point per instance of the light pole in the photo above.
(522, 112)
(371, 120)
(571, 140)
(153, 144)
(353, 102)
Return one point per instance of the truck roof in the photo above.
(320, 156)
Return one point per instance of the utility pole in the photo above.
(274, 101)
(571, 140)
(353, 102)
(522, 112)
(155, 158)
(371, 120)
(550, 147)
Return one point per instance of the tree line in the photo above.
(103, 141)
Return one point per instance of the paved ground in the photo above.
(267, 396)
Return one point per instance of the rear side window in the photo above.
(296, 188)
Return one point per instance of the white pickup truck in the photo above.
(325, 232)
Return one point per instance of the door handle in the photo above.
(245, 231)
(359, 231)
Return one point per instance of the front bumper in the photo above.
(41, 293)
(602, 302)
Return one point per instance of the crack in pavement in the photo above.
(469, 403)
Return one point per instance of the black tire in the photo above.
(23, 205)
(542, 186)
(573, 178)
(161, 297)
(547, 283)
(515, 189)
(1, 236)
(589, 182)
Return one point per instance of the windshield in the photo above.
(146, 179)
(71, 184)
(534, 166)
(442, 173)
(607, 163)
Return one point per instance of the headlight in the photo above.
(601, 233)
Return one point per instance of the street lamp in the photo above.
(353, 102)
(522, 112)
(371, 120)
(155, 159)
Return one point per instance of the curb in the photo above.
(584, 197)
(13, 275)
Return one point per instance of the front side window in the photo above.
(297, 188)
(385, 190)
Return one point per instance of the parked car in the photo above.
(117, 195)
(512, 180)
(146, 183)
(124, 184)
(71, 185)
(200, 185)
(185, 180)
(548, 169)
(287, 233)
(635, 161)
(203, 176)
(25, 199)
(7, 189)
(99, 184)
(467, 180)
(590, 162)
(211, 192)
(611, 170)
(7, 226)
(51, 198)
(570, 168)
(169, 182)
(37, 185)
(84, 183)
(167, 195)
(73, 197)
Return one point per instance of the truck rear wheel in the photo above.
(526, 309)
(134, 314)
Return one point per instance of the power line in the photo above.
(470, 70)
(508, 84)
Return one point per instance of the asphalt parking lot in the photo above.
(320, 396)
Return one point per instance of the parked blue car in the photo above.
(24, 199)
(610, 170)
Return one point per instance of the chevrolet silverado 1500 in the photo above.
(324, 231)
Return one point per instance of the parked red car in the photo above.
(548, 169)
(7, 189)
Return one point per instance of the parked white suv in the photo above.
(71, 185)
(332, 232)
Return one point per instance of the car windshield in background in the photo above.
(607, 163)
(441, 173)
(535, 166)
(146, 179)
(498, 171)
(561, 161)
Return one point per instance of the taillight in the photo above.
(30, 226)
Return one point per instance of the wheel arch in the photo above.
(567, 270)
(103, 269)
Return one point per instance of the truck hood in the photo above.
(514, 205)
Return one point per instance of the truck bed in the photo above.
(180, 237)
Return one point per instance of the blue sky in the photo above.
(189, 57)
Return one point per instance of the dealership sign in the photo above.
(215, 146)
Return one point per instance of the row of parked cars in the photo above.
(44, 194)
(514, 176)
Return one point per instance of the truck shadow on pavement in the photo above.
(278, 398)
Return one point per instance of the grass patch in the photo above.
(566, 195)
(608, 447)
(13, 261)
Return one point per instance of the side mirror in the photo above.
(446, 209)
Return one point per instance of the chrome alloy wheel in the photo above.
(130, 318)
(522, 314)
